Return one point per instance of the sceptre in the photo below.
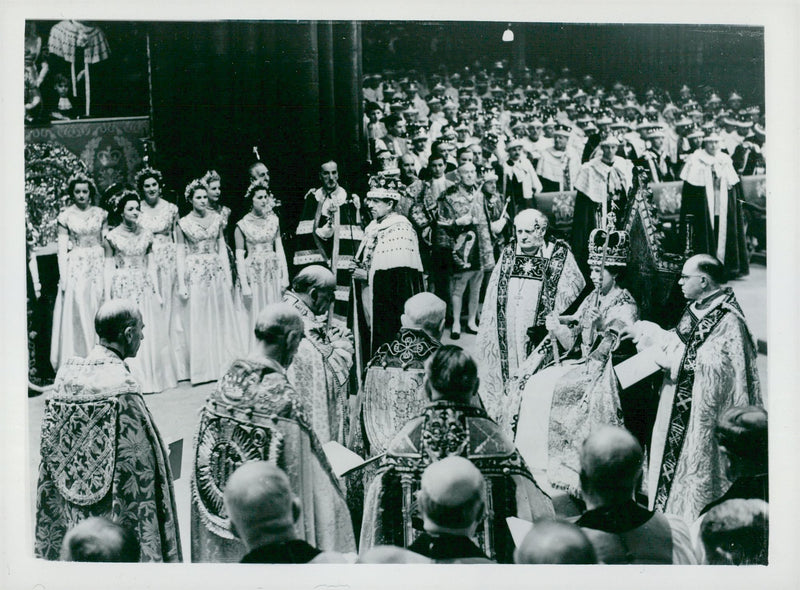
(554, 344)
(610, 219)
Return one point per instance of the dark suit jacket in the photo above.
(295, 551)
(445, 548)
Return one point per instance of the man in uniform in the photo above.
(329, 233)
(395, 138)
(410, 185)
(654, 159)
(419, 149)
(463, 230)
(433, 188)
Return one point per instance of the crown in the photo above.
(109, 157)
(384, 187)
(618, 247)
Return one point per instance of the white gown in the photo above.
(211, 324)
(76, 306)
(152, 366)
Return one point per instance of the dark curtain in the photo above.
(220, 88)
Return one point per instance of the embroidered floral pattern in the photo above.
(159, 220)
(203, 265)
(223, 444)
(411, 348)
(85, 258)
(262, 262)
(78, 442)
(255, 414)
(130, 256)
(102, 455)
(391, 513)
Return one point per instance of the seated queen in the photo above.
(557, 402)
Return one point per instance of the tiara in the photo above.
(82, 177)
(211, 176)
(116, 197)
(257, 185)
(193, 186)
(148, 172)
(79, 176)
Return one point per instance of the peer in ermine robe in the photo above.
(602, 184)
(388, 270)
(712, 194)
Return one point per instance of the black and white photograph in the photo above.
(336, 287)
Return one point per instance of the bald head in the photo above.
(530, 218)
(530, 227)
(425, 311)
(279, 330)
(391, 554)
(452, 495)
(611, 462)
(99, 539)
(709, 266)
(551, 542)
(260, 503)
(314, 275)
(316, 286)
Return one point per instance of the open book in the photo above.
(343, 460)
(638, 367)
(519, 529)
